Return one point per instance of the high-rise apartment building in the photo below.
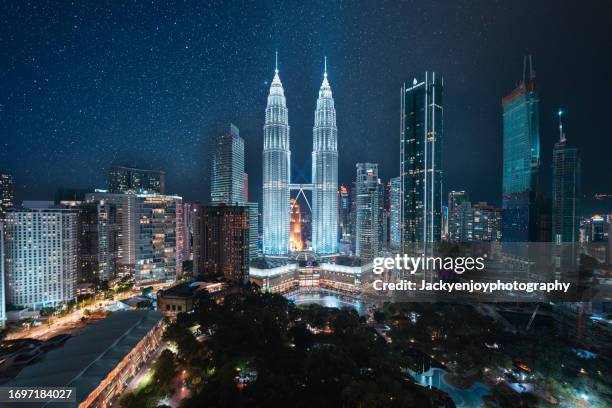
(420, 160)
(149, 234)
(41, 257)
(97, 233)
(127, 226)
(158, 238)
(227, 167)
(368, 225)
(122, 179)
(565, 190)
(521, 161)
(6, 193)
(325, 173)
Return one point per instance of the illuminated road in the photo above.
(64, 324)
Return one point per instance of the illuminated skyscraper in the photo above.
(367, 219)
(420, 160)
(276, 171)
(2, 286)
(394, 213)
(325, 173)
(521, 161)
(227, 167)
(344, 213)
(295, 238)
(6, 193)
(566, 190)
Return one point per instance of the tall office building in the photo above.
(367, 211)
(97, 241)
(325, 173)
(420, 161)
(41, 257)
(227, 167)
(222, 243)
(276, 171)
(229, 182)
(295, 218)
(6, 193)
(122, 179)
(394, 213)
(2, 286)
(565, 190)
(521, 161)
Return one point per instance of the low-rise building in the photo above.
(342, 273)
(179, 298)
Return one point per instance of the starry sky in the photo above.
(87, 84)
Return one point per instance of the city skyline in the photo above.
(73, 143)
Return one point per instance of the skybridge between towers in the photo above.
(300, 188)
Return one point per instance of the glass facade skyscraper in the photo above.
(325, 173)
(394, 213)
(565, 191)
(227, 167)
(420, 160)
(368, 223)
(276, 172)
(521, 162)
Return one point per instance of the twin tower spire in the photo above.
(277, 171)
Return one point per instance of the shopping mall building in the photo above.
(306, 270)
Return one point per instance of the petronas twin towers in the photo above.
(277, 172)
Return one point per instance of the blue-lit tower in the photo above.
(325, 173)
(521, 161)
(565, 190)
(421, 162)
(276, 171)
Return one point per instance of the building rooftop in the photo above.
(187, 289)
(89, 356)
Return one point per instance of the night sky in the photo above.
(92, 83)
